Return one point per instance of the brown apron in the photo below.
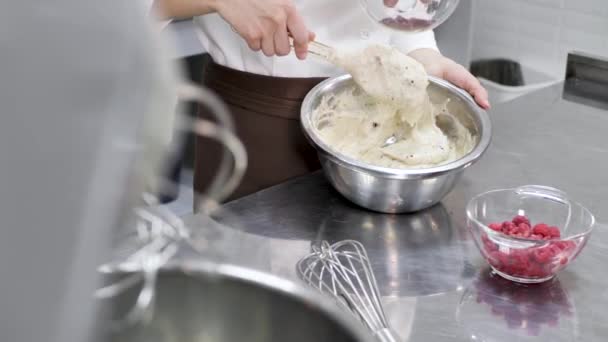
(266, 113)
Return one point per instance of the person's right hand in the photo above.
(267, 24)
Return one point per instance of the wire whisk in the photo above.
(158, 233)
(343, 271)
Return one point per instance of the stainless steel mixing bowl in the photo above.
(227, 303)
(397, 190)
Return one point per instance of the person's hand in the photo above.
(442, 67)
(267, 24)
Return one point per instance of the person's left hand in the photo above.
(439, 66)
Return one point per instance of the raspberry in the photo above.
(519, 219)
(542, 254)
(494, 258)
(525, 229)
(561, 245)
(390, 3)
(503, 258)
(519, 253)
(535, 270)
(488, 244)
(554, 232)
(507, 227)
(522, 262)
(541, 229)
(555, 250)
(538, 262)
(495, 226)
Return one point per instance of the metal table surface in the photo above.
(434, 283)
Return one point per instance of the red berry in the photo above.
(494, 259)
(561, 245)
(521, 258)
(541, 229)
(525, 229)
(542, 255)
(533, 262)
(519, 219)
(534, 270)
(507, 227)
(495, 226)
(554, 232)
(503, 258)
(555, 250)
(390, 3)
(488, 244)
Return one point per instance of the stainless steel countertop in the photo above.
(434, 284)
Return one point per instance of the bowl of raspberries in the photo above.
(528, 234)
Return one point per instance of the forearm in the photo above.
(176, 9)
(432, 60)
(426, 56)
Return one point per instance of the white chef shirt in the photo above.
(343, 24)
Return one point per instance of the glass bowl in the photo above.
(410, 15)
(523, 259)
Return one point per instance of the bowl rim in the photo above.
(484, 129)
(487, 229)
(296, 291)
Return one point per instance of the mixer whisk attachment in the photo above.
(343, 271)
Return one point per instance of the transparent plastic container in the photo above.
(521, 259)
(410, 15)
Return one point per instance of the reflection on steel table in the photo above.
(528, 311)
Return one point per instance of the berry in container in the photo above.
(528, 234)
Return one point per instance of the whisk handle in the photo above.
(386, 335)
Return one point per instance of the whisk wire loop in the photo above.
(343, 271)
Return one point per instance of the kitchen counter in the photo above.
(434, 283)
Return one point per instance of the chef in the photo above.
(254, 70)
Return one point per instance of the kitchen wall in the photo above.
(454, 35)
(539, 33)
